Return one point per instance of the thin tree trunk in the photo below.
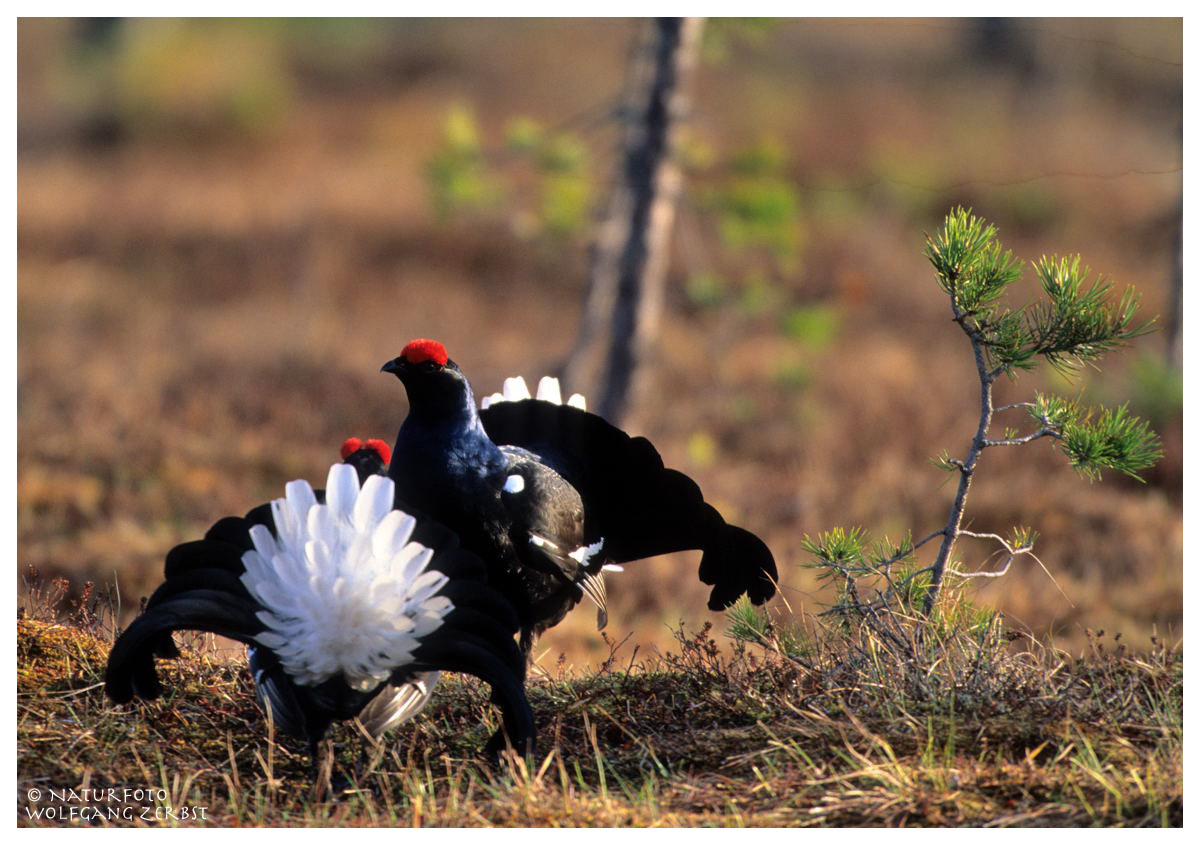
(1175, 308)
(629, 256)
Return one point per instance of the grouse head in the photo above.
(434, 383)
(367, 457)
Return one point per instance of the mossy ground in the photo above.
(694, 737)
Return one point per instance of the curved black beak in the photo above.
(393, 366)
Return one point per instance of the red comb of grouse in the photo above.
(381, 448)
(423, 349)
(352, 445)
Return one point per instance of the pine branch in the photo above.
(1115, 440)
(970, 265)
(1077, 326)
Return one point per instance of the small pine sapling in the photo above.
(1077, 323)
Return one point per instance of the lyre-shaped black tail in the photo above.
(640, 507)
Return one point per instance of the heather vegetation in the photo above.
(214, 260)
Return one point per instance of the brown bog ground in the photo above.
(206, 292)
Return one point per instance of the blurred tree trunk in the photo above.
(629, 255)
(1174, 321)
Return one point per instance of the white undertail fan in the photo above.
(515, 389)
(394, 704)
(341, 598)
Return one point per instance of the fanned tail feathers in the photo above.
(350, 607)
(640, 507)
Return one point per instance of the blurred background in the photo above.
(225, 227)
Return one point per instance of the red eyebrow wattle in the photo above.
(422, 349)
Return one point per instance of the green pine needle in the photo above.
(1022, 537)
(1114, 440)
(970, 263)
(751, 624)
(843, 546)
(1078, 325)
(1007, 342)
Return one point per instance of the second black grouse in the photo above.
(548, 494)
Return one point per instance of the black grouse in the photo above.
(340, 596)
(549, 494)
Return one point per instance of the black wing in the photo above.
(546, 516)
(639, 507)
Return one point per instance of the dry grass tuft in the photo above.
(971, 733)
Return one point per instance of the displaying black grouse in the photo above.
(340, 596)
(548, 494)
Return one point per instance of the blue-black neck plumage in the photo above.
(442, 443)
